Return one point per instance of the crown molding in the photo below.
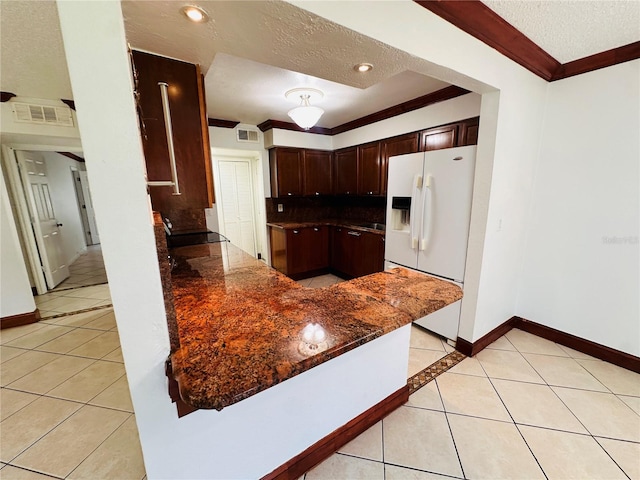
(441, 95)
(6, 96)
(599, 60)
(479, 21)
(72, 156)
(217, 122)
(69, 103)
(269, 124)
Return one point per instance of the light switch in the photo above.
(280, 207)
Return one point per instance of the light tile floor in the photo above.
(523, 408)
(66, 410)
(88, 269)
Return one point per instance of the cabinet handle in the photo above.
(317, 193)
(164, 94)
(316, 229)
(355, 234)
(296, 231)
(289, 193)
(369, 193)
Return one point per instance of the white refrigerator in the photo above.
(427, 227)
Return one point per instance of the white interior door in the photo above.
(91, 215)
(45, 225)
(236, 202)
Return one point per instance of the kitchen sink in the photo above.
(374, 226)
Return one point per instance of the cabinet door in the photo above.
(317, 172)
(297, 251)
(341, 251)
(286, 171)
(186, 126)
(345, 167)
(317, 248)
(369, 169)
(439, 137)
(372, 260)
(278, 239)
(391, 147)
(469, 132)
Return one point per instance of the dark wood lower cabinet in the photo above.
(355, 253)
(309, 251)
(300, 252)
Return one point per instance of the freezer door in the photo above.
(446, 211)
(403, 222)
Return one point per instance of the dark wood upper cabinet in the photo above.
(317, 172)
(345, 171)
(439, 137)
(190, 135)
(469, 132)
(369, 172)
(286, 171)
(399, 145)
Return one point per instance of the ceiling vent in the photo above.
(42, 114)
(247, 135)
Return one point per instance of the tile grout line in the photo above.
(513, 420)
(446, 417)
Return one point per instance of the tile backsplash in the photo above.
(305, 209)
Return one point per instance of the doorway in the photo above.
(240, 204)
(45, 207)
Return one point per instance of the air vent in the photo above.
(247, 135)
(42, 114)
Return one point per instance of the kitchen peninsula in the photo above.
(273, 356)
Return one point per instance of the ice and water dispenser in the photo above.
(400, 213)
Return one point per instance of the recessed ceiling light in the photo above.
(363, 67)
(195, 14)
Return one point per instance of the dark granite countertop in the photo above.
(327, 222)
(240, 323)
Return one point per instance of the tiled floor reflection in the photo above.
(522, 408)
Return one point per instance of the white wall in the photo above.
(97, 58)
(507, 146)
(65, 203)
(580, 273)
(15, 291)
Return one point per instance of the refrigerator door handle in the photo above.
(425, 231)
(413, 220)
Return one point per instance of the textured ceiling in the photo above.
(568, 30)
(32, 61)
(253, 51)
(252, 92)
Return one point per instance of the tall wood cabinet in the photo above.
(369, 173)
(390, 147)
(186, 104)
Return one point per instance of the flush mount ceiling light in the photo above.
(363, 67)
(195, 13)
(306, 115)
